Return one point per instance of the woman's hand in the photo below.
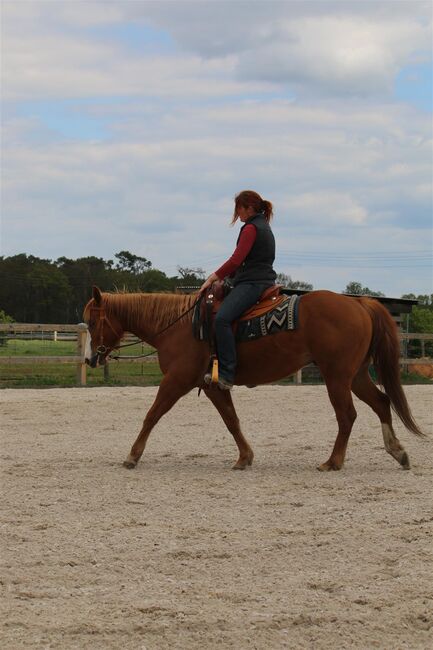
(208, 282)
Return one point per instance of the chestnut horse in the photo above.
(341, 334)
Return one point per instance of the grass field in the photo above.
(45, 375)
(47, 347)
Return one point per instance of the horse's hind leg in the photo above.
(341, 399)
(222, 400)
(365, 390)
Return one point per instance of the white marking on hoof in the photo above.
(393, 446)
(388, 437)
(129, 463)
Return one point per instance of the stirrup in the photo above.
(222, 384)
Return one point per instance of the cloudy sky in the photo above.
(132, 125)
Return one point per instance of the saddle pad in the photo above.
(283, 317)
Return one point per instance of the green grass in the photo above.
(412, 378)
(40, 375)
(17, 347)
(64, 374)
(44, 375)
(46, 348)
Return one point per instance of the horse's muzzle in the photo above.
(96, 360)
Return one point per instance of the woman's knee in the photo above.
(221, 320)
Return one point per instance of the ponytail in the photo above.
(268, 210)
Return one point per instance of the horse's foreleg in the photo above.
(168, 394)
(341, 399)
(222, 400)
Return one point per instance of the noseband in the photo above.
(100, 318)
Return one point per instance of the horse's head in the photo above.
(104, 332)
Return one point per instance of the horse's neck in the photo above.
(147, 315)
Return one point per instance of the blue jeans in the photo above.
(241, 297)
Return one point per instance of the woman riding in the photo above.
(251, 272)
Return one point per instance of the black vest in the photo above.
(257, 266)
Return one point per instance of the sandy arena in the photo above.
(184, 553)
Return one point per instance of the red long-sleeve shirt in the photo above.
(245, 244)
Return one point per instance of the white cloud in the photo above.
(337, 54)
(53, 50)
(187, 129)
(54, 66)
(331, 208)
(315, 47)
(317, 169)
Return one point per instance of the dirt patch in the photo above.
(182, 552)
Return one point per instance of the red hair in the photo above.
(250, 199)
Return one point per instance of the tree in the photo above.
(356, 289)
(420, 320)
(33, 289)
(424, 300)
(287, 282)
(153, 280)
(50, 292)
(190, 277)
(4, 318)
(81, 274)
(127, 261)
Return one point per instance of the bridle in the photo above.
(103, 350)
(98, 315)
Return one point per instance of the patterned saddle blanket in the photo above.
(280, 313)
(283, 317)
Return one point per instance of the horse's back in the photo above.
(333, 321)
(334, 304)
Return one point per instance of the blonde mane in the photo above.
(155, 309)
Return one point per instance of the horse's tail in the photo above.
(385, 351)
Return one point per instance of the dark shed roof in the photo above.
(394, 305)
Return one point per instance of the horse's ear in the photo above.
(97, 295)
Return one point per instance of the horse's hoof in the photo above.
(404, 460)
(243, 464)
(129, 464)
(329, 467)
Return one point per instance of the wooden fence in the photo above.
(78, 333)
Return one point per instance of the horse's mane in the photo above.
(155, 309)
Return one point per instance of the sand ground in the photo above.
(184, 553)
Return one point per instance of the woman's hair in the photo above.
(247, 199)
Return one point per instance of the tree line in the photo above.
(36, 290)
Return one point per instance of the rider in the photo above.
(251, 272)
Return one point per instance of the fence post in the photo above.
(298, 377)
(81, 349)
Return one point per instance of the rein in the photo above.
(102, 349)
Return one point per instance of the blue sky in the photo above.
(132, 125)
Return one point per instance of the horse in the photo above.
(341, 334)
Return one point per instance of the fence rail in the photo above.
(80, 331)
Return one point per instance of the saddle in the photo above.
(273, 312)
(218, 290)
